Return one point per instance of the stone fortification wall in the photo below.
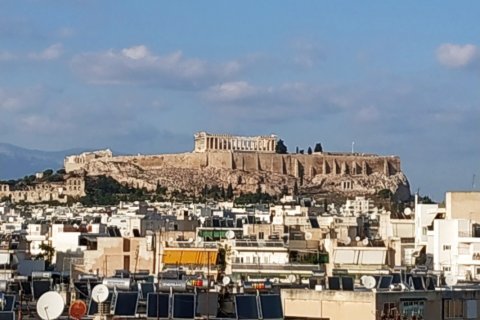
(295, 165)
(351, 174)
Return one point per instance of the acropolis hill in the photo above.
(248, 163)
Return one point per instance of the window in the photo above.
(413, 308)
(261, 235)
(424, 231)
(453, 308)
(390, 310)
(446, 269)
(447, 247)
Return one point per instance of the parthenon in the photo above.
(221, 142)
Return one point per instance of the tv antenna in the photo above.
(50, 305)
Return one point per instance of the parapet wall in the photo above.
(297, 165)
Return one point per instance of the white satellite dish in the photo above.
(451, 280)
(292, 278)
(308, 236)
(365, 242)
(357, 238)
(369, 282)
(226, 280)
(100, 293)
(407, 211)
(229, 234)
(348, 240)
(190, 240)
(170, 240)
(50, 305)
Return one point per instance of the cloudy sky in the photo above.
(397, 77)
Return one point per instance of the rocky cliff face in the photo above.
(192, 180)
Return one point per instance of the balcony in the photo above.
(269, 268)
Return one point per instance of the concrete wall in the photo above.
(112, 253)
(463, 205)
(328, 304)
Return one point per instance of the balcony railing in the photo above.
(273, 266)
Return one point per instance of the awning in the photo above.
(189, 257)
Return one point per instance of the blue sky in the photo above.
(396, 77)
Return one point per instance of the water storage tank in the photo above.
(119, 283)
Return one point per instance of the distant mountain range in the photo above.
(17, 162)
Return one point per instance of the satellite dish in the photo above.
(407, 211)
(369, 282)
(100, 293)
(292, 278)
(357, 238)
(50, 305)
(451, 280)
(308, 236)
(190, 240)
(226, 280)
(365, 242)
(348, 240)
(78, 309)
(229, 234)
(170, 240)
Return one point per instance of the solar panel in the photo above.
(417, 282)
(40, 287)
(334, 283)
(81, 290)
(347, 283)
(145, 289)
(183, 306)
(7, 315)
(246, 307)
(430, 283)
(111, 232)
(385, 282)
(397, 278)
(314, 223)
(125, 304)
(271, 305)
(26, 288)
(158, 305)
(9, 302)
(93, 306)
(207, 304)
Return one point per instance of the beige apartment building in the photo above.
(460, 303)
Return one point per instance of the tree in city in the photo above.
(309, 151)
(229, 191)
(318, 147)
(281, 148)
(47, 253)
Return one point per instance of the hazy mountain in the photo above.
(17, 162)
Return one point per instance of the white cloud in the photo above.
(6, 56)
(51, 53)
(137, 52)
(281, 102)
(138, 65)
(455, 56)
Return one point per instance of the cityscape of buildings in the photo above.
(373, 255)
